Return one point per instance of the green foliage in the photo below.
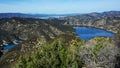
(99, 45)
(69, 52)
(59, 54)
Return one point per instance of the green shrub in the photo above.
(72, 53)
(59, 54)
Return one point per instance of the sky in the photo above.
(58, 6)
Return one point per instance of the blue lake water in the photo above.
(10, 46)
(87, 33)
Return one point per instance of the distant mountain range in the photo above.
(23, 15)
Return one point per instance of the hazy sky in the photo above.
(58, 6)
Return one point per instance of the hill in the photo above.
(25, 28)
(107, 20)
(66, 50)
(51, 42)
(12, 29)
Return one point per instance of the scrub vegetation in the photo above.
(67, 51)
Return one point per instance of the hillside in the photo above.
(64, 51)
(107, 20)
(51, 43)
(25, 28)
(28, 29)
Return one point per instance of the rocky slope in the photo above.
(106, 20)
(30, 30)
(25, 28)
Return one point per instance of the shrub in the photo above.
(103, 55)
(55, 55)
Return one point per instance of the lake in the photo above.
(87, 33)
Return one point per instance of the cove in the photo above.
(87, 33)
(10, 46)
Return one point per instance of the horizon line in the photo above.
(62, 13)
